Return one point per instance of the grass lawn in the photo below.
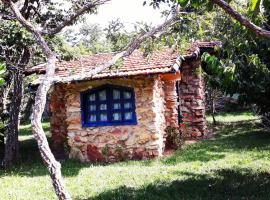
(233, 165)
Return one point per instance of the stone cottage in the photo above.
(123, 112)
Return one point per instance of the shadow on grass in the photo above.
(232, 137)
(222, 184)
(31, 164)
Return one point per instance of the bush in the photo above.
(175, 138)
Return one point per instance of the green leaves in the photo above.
(183, 3)
(220, 73)
(212, 62)
(2, 72)
(197, 3)
(193, 3)
(255, 6)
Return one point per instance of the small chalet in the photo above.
(124, 111)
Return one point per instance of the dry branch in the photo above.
(240, 18)
(73, 17)
(52, 165)
(158, 30)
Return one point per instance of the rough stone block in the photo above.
(93, 153)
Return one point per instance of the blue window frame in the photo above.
(108, 105)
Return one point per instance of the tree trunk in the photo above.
(266, 121)
(4, 90)
(214, 110)
(4, 93)
(53, 166)
(212, 105)
(12, 153)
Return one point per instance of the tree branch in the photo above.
(48, 158)
(241, 19)
(47, 51)
(158, 30)
(73, 17)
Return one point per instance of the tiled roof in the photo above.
(135, 64)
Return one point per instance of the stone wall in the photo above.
(156, 108)
(171, 98)
(139, 141)
(192, 99)
(171, 102)
(159, 110)
(57, 108)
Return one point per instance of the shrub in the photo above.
(106, 151)
(120, 153)
(175, 138)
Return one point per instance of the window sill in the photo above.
(108, 124)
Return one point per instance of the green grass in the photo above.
(233, 117)
(233, 165)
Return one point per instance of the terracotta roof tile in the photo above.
(135, 64)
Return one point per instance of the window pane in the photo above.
(92, 97)
(128, 115)
(127, 95)
(116, 106)
(93, 107)
(103, 106)
(102, 95)
(116, 94)
(117, 116)
(103, 117)
(93, 118)
(127, 105)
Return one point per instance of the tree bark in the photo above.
(241, 19)
(4, 93)
(52, 165)
(213, 108)
(12, 153)
(4, 90)
(266, 121)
